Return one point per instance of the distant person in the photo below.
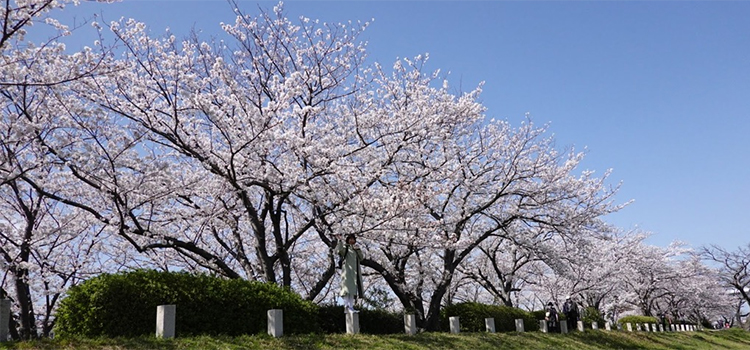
(351, 273)
(552, 318)
(570, 310)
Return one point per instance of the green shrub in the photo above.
(331, 320)
(472, 315)
(591, 315)
(633, 319)
(124, 304)
(379, 321)
(540, 314)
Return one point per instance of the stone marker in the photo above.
(275, 323)
(489, 324)
(352, 322)
(580, 326)
(165, 319)
(594, 325)
(4, 319)
(564, 327)
(455, 324)
(653, 327)
(410, 324)
(543, 326)
(608, 326)
(519, 325)
(630, 327)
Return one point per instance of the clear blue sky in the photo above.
(659, 91)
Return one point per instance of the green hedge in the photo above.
(591, 315)
(633, 319)
(331, 320)
(472, 315)
(541, 314)
(124, 304)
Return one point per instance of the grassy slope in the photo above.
(589, 340)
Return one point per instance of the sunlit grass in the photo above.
(589, 340)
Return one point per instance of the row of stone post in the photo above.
(166, 320)
(654, 327)
(166, 316)
(489, 325)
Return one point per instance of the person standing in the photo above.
(351, 273)
(553, 320)
(570, 309)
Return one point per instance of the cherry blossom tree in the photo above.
(45, 246)
(470, 182)
(734, 274)
(696, 296)
(652, 271)
(592, 268)
(228, 156)
(284, 136)
(501, 268)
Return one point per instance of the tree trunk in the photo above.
(410, 302)
(27, 329)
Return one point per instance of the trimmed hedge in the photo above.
(124, 304)
(331, 320)
(633, 319)
(472, 315)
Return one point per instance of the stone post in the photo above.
(352, 322)
(4, 319)
(165, 320)
(580, 326)
(410, 324)
(638, 327)
(543, 326)
(489, 324)
(653, 327)
(629, 326)
(608, 325)
(594, 325)
(564, 327)
(455, 324)
(275, 323)
(519, 325)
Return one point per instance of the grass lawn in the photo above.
(589, 340)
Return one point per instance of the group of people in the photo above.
(570, 310)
